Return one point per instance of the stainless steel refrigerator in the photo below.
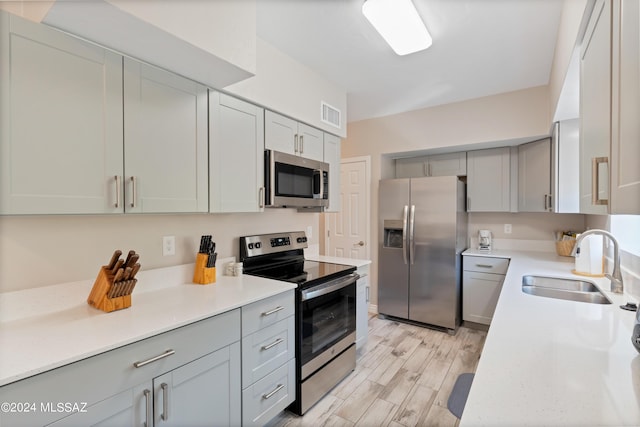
(422, 233)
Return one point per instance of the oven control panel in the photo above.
(251, 246)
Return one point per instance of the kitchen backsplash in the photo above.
(45, 250)
(629, 262)
(524, 226)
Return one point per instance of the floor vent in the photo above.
(330, 115)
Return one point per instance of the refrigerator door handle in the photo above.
(412, 226)
(404, 233)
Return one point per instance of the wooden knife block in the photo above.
(98, 296)
(201, 274)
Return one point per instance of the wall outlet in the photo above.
(168, 245)
(309, 232)
(507, 229)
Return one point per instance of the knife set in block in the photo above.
(115, 282)
(204, 272)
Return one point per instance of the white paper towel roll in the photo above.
(589, 259)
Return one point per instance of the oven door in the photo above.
(295, 181)
(328, 322)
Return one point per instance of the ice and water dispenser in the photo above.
(393, 236)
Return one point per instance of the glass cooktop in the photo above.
(304, 273)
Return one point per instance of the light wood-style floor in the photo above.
(402, 378)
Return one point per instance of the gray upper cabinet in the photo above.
(289, 136)
(595, 111)
(488, 180)
(411, 167)
(625, 148)
(60, 122)
(165, 141)
(332, 156)
(236, 138)
(534, 177)
(449, 164)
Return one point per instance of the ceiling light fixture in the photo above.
(399, 24)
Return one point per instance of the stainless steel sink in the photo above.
(567, 289)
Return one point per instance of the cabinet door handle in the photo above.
(301, 144)
(149, 409)
(367, 295)
(429, 169)
(165, 401)
(550, 202)
(546, 202)
(154, 359)
(261, 197)
(134, 191)
(295, 143)
(270, 312)
(595, 181)
(273, 344)
(277, 389)
(468, 203)
(117, 179)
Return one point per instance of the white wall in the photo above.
(226, 29)
(31, 10)
(43, 250)
(503, 117)
(288, 87)
(630, 263)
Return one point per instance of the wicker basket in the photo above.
(564, 247)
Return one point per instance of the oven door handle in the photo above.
(329, 287)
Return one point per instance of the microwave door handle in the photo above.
(404, 233)
(270, 178)
(318, 173)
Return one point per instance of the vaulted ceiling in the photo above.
(480, 48)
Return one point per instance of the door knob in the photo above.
(360, 243)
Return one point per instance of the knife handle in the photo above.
(114, 259)
(136, 268)
(119, 264)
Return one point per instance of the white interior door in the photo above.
(347, 231)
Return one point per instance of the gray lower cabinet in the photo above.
(482, 279)
(196, 382)
(362, 308)
(268, 358)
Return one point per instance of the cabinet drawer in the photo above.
(485, 264)
(266, 349)
(267, 312)
(266, 398)
(95, 378)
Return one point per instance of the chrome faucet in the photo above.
(615, 277)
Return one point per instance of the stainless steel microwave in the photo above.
(293, 181)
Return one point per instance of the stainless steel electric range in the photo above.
(325, 310)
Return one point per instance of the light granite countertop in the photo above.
(48, 327)
(553, 362)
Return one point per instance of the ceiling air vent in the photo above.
(330, 115)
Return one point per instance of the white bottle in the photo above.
(589, 258)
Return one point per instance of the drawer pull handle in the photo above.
(273, 344)
(148, 408)
(275, 310)
(277, 389)
(154, 359)
(484, 265)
